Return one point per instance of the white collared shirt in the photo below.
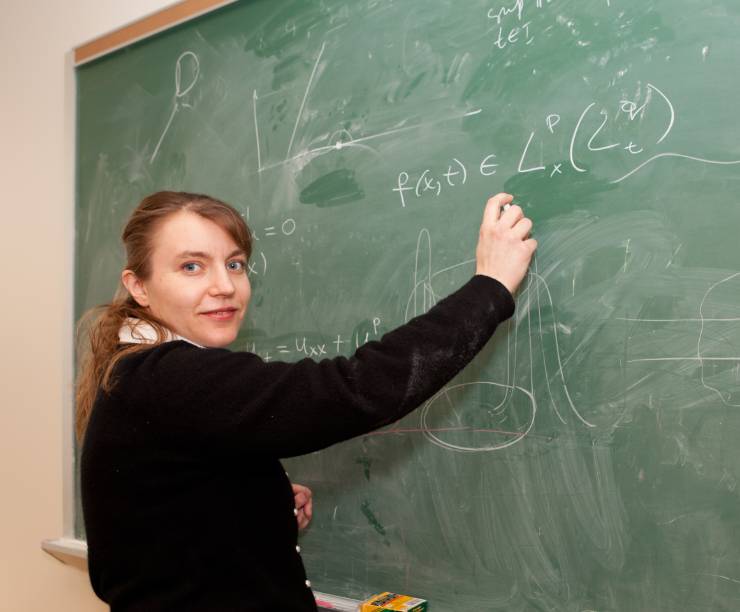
(137, 331)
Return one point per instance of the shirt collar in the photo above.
(138, 331)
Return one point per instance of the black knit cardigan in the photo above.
(185, 502)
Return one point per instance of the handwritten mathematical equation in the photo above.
(456, 174)
(258, 264)
(302, 346)
(432, 182)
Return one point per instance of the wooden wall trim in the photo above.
(144, 27)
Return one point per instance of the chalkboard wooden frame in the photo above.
(146, 26)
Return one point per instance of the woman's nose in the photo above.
(221, 283)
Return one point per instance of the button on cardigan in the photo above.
(185, 502)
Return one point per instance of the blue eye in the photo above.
(236, 265)
(191, 266)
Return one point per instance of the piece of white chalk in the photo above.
(506, 207)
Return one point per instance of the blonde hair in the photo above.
(98, 343)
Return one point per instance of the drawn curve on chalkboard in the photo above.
(518, 436)
(680, 156)
(179, 93)
(701, 356)
(356, 142)
(561, 374)
(423, 297)
(632, 111)
(724, 397)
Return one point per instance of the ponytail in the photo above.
(100, 350)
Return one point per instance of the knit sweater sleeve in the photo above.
(219, 398)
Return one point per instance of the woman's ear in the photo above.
(135, 287)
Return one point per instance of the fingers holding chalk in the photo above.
(512, 215)
(504, 248)
(494, 206)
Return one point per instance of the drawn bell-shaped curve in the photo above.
(718, 344)
(476, 416)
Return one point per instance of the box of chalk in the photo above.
(393, 602)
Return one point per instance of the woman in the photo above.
(186, 505)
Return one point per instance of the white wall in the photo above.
(35, 289)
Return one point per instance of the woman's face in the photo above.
(198, 284)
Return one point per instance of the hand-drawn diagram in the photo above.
(717, 348)
(536, 290)
(188, 61)
(339, 139)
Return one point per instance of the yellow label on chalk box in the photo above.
(393, 602)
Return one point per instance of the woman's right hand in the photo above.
(504, 246)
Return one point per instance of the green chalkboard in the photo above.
(589, 459)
